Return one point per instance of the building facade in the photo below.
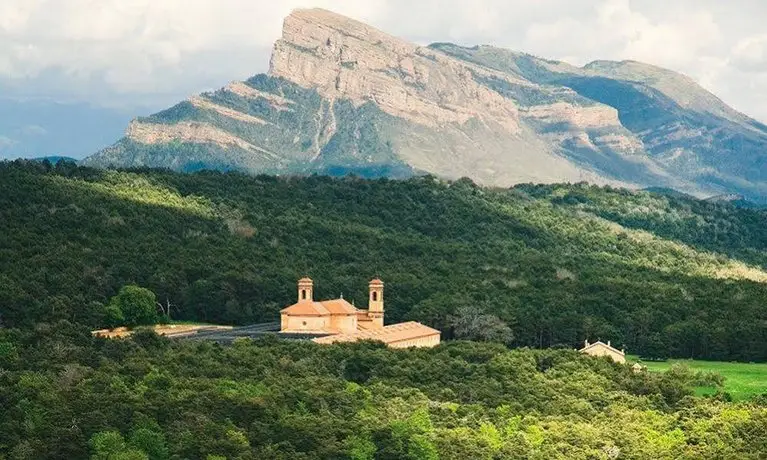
(599, 348)
(339, 321)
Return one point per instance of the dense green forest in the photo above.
(65, 394)
(544, 266)
(662, 275)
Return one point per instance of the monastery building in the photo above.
(337, 320)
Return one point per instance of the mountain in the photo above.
(55, 159)
(664, 275)
(341, 96)
(38, 128)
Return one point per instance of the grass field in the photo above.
(743, 380)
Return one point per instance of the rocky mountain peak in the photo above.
(343, 96)
(344, 58)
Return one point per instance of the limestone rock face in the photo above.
(342, 96)
(152, 133)
(459, 124)
(343, 58)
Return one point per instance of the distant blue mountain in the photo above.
(55, 159)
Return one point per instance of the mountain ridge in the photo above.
(343, 96)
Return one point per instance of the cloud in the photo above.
(6, 142)
(32, 131)
(147, 50)
(750, 54)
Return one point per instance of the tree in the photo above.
(421, 448)
(655, 348)
(113, 316)
(165, 309)
(138, 305)
(150, 442)
(471, 323)
(110, 445)
(360, 448)
(105, 444)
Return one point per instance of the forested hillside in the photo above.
(67, 395)
(666, 276)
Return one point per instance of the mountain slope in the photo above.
(560, 263)
(342, 96)
(685, 128)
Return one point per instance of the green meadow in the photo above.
(742, 380)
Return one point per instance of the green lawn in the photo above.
(743, 380)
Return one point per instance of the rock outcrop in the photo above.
(342, 96)
(342, 58)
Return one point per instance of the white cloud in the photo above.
(6, 142)
(750, 54)
(161, 50)
(33, 130)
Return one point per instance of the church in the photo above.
(337, 320)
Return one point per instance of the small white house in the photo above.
(599, 348)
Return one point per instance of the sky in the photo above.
(143, 55)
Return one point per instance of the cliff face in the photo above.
(342, 58)
(342, 96)
(456, 121)
(684, 129)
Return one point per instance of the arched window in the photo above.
(303, 294)
(375, 297)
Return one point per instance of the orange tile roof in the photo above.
(388, 334)
(323, 308)
(305, 308)
(376, 282)
(339, 307)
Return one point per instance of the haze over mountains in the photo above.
(33, 128)
(341, 96)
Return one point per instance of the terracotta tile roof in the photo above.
(306, 308)
(325, 307)
(376, 282)
(305, 280)
(388, 334)
(339, 307)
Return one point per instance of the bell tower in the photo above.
(305, 288)
(376, 303)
